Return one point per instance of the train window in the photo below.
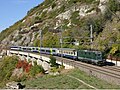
(53, 50)
(24, 48)
(71, 52)
(29, 48)
(85, 53)
(74, 53)
(47, 50)
(42, 50)
(99, 54)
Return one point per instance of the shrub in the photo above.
(24, 64)
(54, 69)
(75, 17)
(53, 5)
(53, 61)
(115, 51)
(107, 15)
(36, 43)
(114, 5)
(36, 69)
(7, 65)
(82, 1)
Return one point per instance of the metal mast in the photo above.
(91, 36)
(61, 41)
(40, 43)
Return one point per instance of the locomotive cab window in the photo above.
(99, 55)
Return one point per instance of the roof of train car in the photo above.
(66, 49)
(96, 51)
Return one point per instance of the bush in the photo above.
(36, 43)
(36, 69)
(107, 15)
(53, 61)
(82, 1)
(114, 5)
(74, 17)
(53, 5)
(54, 69)
(7, 65)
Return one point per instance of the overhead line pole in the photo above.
(61, 41)
(40, 43)
(91, 36)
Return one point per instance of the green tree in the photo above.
(69, 38)
(36, 42)
(53, 61)
(50, 40)
(115, 51)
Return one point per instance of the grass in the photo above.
(63, 81)
(98, 83)
(54, 82)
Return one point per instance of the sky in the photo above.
(13, 10)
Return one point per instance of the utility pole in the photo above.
(40, 43)
(61, 41)
(91, 36)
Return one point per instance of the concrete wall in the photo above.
(41, 60)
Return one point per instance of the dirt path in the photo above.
(82, 82)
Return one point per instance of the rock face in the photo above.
(72, 16)
(102, 5)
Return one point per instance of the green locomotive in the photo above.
(90, 56)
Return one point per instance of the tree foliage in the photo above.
(114, 5)
(36, 69)
(7, 65)
(53, 61)
(68, 41)
(115, 50)
(51, 40)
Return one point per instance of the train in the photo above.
(88, 56)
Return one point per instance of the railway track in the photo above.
(100, 70)
(112, 75)
(107, 70)
(113, 68)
